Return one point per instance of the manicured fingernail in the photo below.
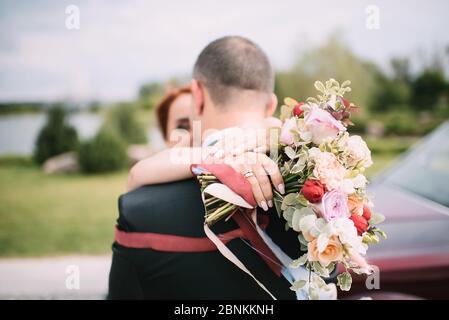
(281, 188)
(270, 203)
(263, 204)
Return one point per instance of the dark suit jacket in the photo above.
(176, 208)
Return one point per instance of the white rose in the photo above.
(357, 151)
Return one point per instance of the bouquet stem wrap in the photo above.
(235, 189)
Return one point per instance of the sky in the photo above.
(122, 44)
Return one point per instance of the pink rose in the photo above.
(328, 170)
(334, 205)
(323, 126)
(286, 131)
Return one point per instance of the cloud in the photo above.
(122, 44)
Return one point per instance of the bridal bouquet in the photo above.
(325, 200)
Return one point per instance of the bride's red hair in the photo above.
(163, 109)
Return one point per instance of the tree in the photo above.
(104, 153)
(428, 88)
(122, 120)
(55, 137)
(332, 60)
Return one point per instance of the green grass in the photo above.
(51, 215)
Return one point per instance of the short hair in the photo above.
(231, 63)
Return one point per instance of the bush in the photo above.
(104, 153)
(401, 123)
(122, 120)
(55, 137)
(427, 89)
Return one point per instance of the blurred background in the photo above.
(80, 80)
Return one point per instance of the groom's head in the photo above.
(233, 75)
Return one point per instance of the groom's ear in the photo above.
(197, 96)
(271, 107)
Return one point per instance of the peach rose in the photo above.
(329, 170)
(355, 204)
(308, 236)
(332, 252)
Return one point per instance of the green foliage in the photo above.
(388, 94)
(344, 281)
(428, 88)
(55, 137)
(104, 153)
(122, 119)
(150, 95)
(332, 60)
(19, 161)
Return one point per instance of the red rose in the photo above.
(346, 103)
(360, 223)
(366, 213)
(297, 110)
(313, 190)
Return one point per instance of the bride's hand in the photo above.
(262, 173)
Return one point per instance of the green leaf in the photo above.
(299, 262)
(297, 168)
(323, 272)
(376, 218)
(290, 152)
(313, 294)
(320, 86)
(304, 202)
(344, 281)
(346, 83)
(370, 238)
(289, 200)
(298, 284)
(290, 102)
(286, 112)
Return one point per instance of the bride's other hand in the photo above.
(262, 173)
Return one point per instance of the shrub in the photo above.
(122, 119)
(55, 137)
(104, 153)
(427, 89)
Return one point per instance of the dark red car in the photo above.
(414, 197)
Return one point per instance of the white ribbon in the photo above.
(223, 192)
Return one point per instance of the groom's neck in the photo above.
(234, 117)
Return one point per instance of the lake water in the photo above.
(18, 132)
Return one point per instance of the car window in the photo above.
(425, 171)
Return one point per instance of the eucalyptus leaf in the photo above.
(313, 294)
(297, 168)
(320, 269)
(289, 200)
(290, 152)
(376, 218)
(344, 281)
(299, 262)
(319, 86)
(298, 284)
(346, 83)
(290, 102)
